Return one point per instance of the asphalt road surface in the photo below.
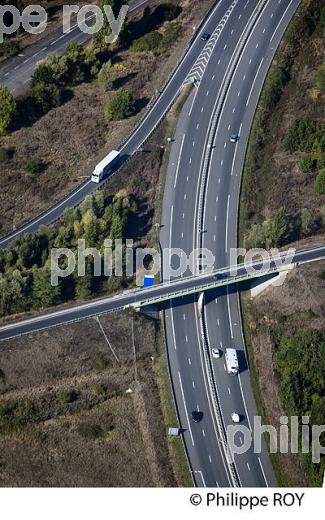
(221, 310)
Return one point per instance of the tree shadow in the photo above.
(140, 103)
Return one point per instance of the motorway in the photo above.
(139, 135)
(15, 72)
(198, 381)
(188, 335)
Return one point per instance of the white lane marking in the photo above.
(229, 391)
(194, 97)
(189, 361)
(236, 149)
(246, 411)
(213, 77)
(184, 317)
(193, 144)
(179, 159)
(227, 222)
(248, 466)
(190, 161)
(262, 469)
(197, 126)
(210, 459)
(280, 22)
(218, 321)
(203, 433)
(229, 314)
(184, 196)
(255, 79)
(186, 339)
(201, 475)
(193, 384)
(188, 422)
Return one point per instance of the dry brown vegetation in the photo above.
(69, 140)
(104, 436)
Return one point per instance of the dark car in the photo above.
(220, 276)
(197, 416)
(205, 37)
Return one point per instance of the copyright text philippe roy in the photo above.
(247, 502)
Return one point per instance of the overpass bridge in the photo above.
(171, 290)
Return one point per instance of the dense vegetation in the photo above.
(304, 141)
(25, 265)
(7, 109)
(300, 363)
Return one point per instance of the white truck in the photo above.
(231, 361)
(102, 167)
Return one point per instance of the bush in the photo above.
(9, 48)
(7, 109)
(305, 136)
(322, 275)
(105, 76)
(46, 96)
(90, 431)
(32, 167)
(3, 154)
(120, 106)
(66, 396)
(321, 78)
(101, 363)
(320, 182)
(98, 389)
(167, 12)
(307, 165)
(150, 42)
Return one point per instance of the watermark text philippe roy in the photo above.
(90, 19)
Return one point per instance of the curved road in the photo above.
(222, 314)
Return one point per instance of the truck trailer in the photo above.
(102, 168)
(231, 361)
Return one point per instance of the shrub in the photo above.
(3, 154)
(32, 167)
(66, 396)
(101, 363)
(98, 389)
(167, 12)
(305, 136)
(7, 109)
(105, 76)
(307, 164)
(9, 48)
(90, 431)
(322, 275)
(149, 42)
(320, 182)
(46, 96)
(120, 106)
(321, 78)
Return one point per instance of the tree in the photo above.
(120, 106)
(307, 164)
(307, 222)
(105, 76)
(321, 78)
(280, 227)
(44, 293)
(320, 182)
(7, 109)
(46, 96)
